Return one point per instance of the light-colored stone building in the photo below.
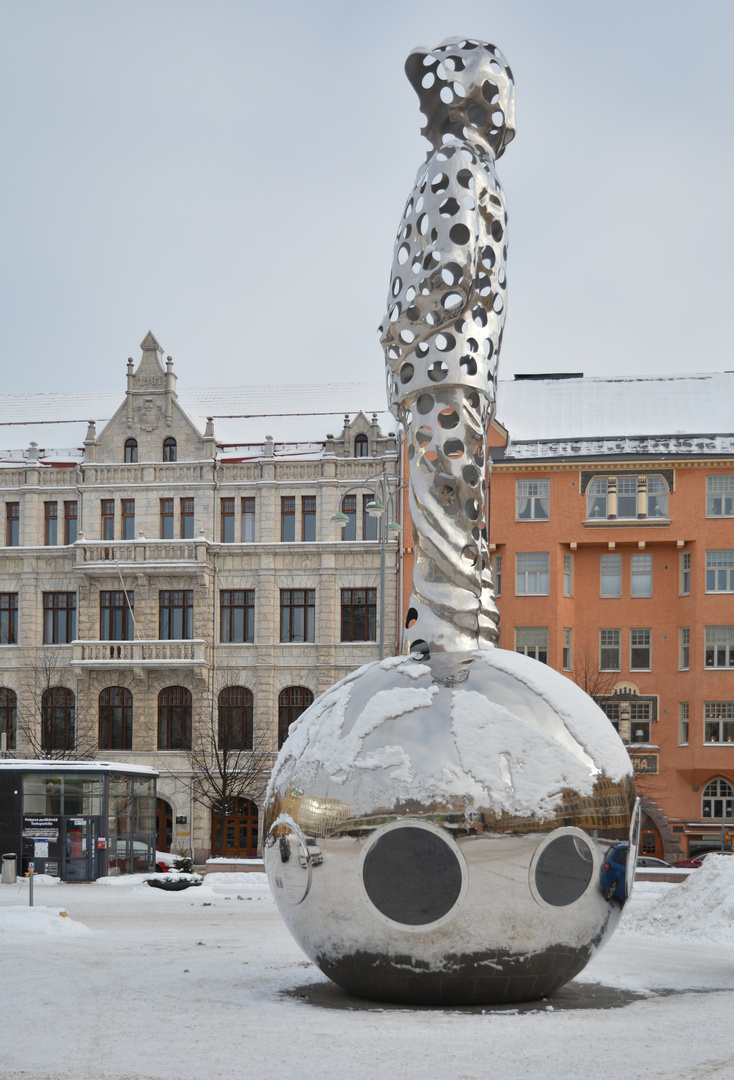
(178, 573)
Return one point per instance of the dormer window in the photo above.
(131, 451)
(360, 446)
(169, 449)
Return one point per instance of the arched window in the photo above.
(8, 715)
(291, 703)
(115, 719)
(174, 718)
(169, 449)
(234, 829)
(131, 451)
(57, 719)
(718, 799)
(235, 718)
(360, 446)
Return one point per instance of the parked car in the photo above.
(697, 860)
(613, 875)
(647, 862)
(317, 855)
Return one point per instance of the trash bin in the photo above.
(10, 868)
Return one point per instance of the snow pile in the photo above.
(20, 922)
(701, 908)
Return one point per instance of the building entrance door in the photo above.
(79, 859)
(234, 835)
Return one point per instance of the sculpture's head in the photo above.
(465, 87)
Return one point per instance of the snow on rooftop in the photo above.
(46, 765)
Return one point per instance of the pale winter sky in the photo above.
(230, 175)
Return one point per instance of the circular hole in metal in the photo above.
(459, 234)
(564, 870)
(411, 875)
(406, 373)
(424, 404)
(437, 372)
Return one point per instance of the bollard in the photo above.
(30, 887)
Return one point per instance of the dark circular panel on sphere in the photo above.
(564, 870)
(412, 876)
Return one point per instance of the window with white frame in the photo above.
(685, 573)
(720, 495)
(720, 571)
(657, 497)
(497, 575)
(609, 647)
(611, 575)
(568, 575)
(683, 723)
(641, 575)
(533, 500)
(717, 799)
(640, 719)
(597, 498)
(631, 719)
(532, 641)
(684, 658)
(718, 721)
(627, 497)
(719, 651)
(567, 649)
(531, 573)
(640, 647)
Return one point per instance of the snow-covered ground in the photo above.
(133, 982)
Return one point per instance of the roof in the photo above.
(46, 765)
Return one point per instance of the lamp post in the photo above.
(382, 508)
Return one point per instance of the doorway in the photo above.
(79, 857)
(163, 825)
(234, 835)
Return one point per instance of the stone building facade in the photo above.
(160, 579)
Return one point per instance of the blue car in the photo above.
(613, 875)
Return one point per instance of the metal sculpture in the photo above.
(437, 824)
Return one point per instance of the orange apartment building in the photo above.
(611, 523)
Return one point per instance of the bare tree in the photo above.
(51, 721)
(587, 674)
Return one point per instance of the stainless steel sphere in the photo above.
(436, 830)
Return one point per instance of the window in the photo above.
(291, 703)
(657, 497)
(596, 498)
(640, 646)
(12, 524)
(108, 519)
(116, 621)
(248, 519)
(683, 723)
(532, 500)
(8, 618)
(718, 719)
(361, 446)
(234, 716)
(227, 506)
(627, 497)
(567, 649)
(131, 456)
(115, 719)
(308, 517)
(532, 641)
(359, 614)
(719, 646)
(718, 799)
(531, 573)
(57, 719)
(166, 519)
(720, 571)
(498, 575)
(640, 716)
(8, 715)
(128, 519)
(169, 449)
(684, 657)
(611, 575)
(297, 614)
(609, 650)
(50, 535)
(685, 573)
(187, 519)
(70, 530)
(236, 615)
(631, 719)
(174, 718)
(369, 523)
(568, 575)
(176, 614)
(641, 575)
(349, 507)
(720, 496)
(288, 518)
(59, 618)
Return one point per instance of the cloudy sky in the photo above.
(230, 175)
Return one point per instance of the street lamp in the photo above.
(381, 507)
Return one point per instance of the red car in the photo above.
(699, 858)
